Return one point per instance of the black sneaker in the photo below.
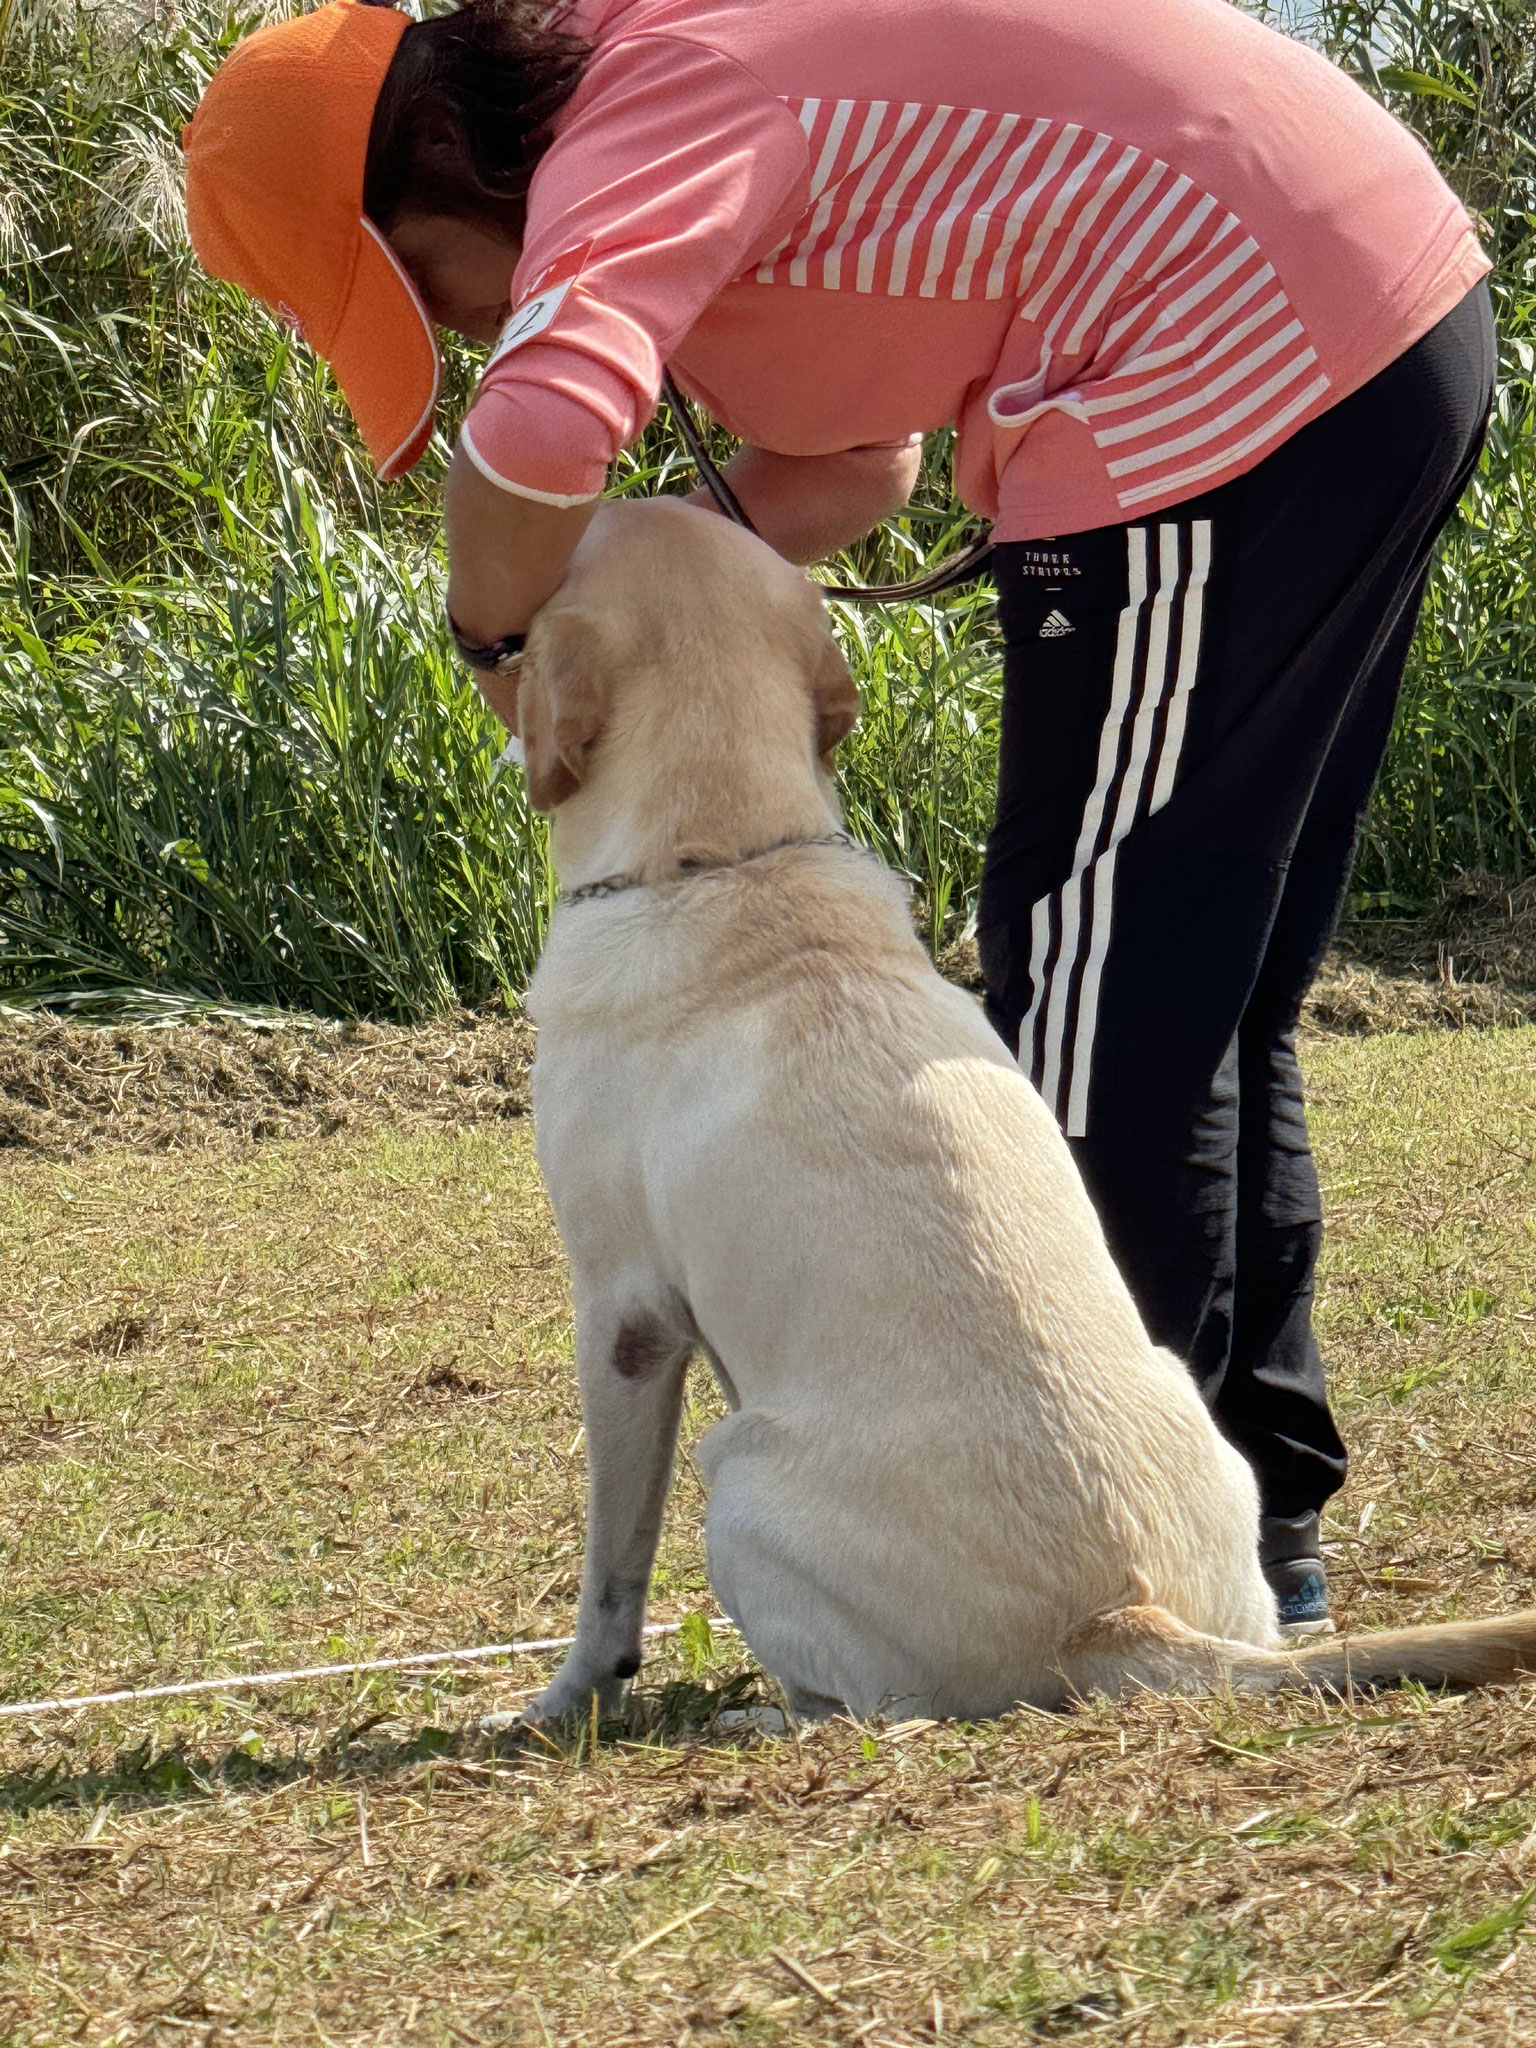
(1290, 1552)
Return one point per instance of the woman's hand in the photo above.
(808, 506)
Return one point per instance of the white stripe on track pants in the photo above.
(1195, 707)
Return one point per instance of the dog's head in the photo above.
(667, 607)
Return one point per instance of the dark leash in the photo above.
(969, 563)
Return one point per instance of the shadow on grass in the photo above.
(151, 1774)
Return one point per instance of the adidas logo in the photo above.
(1056, 627)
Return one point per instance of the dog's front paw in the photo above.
(569, 1692)
(507, 1723)
(573, 1697)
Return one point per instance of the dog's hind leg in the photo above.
(797, 1590)
(631, 1361)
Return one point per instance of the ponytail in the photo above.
(463, 116)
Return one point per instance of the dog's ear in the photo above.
(835, 696)
(562, 702)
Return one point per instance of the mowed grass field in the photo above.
(308, 1398)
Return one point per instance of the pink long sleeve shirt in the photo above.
(1126, 247)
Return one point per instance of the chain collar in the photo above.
(615, 885)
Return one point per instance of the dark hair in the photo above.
(463, 115)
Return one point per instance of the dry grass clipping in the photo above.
(66, 1086)
(244, 1078)
(1471, 965)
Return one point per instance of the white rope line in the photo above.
(249, 1680)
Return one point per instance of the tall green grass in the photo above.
(237, 761)
(1459, 790)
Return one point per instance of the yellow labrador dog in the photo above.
(956, 1474)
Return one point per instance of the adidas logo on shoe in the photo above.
(1056, 627)
(1301, 1589)
(1299, 1583)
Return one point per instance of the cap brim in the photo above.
(384, 357)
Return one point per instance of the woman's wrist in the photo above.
(506, 554)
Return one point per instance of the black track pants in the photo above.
(1194, 711)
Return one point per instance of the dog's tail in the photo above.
(1146, 1646)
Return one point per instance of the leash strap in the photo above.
(971, 562)
(703, 462)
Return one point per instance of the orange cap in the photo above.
(275, 160)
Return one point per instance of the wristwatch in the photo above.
(495, 657)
